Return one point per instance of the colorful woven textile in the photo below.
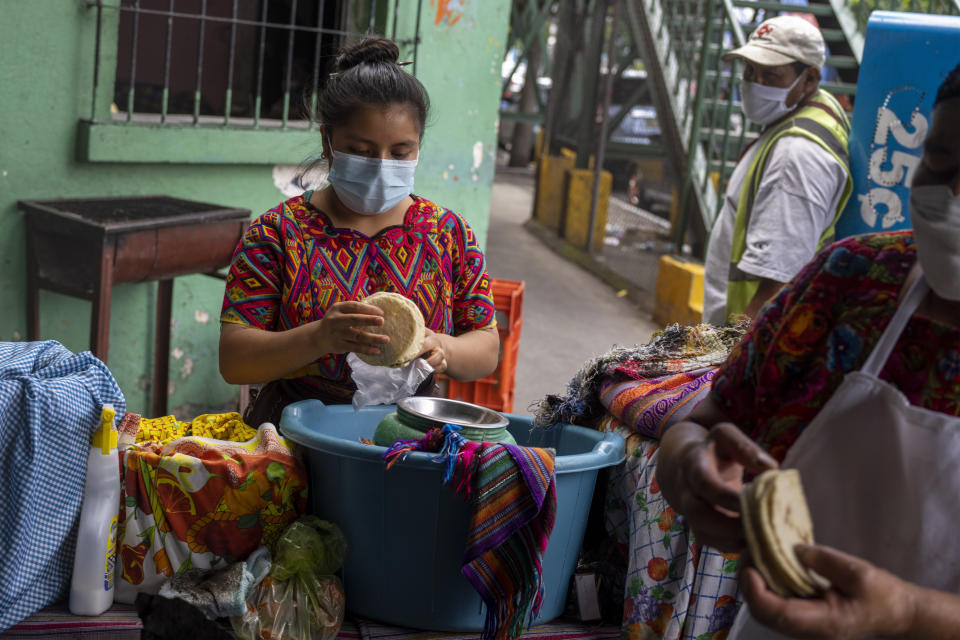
(50, 404)
(556, 630)
(648, 407)
(293, 264)
(199, 503)
(119, 622)
(822, 326)
(513, 496)
(674, 350)
(673, 587)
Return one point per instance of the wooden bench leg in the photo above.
(244, 399)
(102, 290)
(33, 286)
(161, 350)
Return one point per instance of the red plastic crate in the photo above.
(508, 302)
(496, 390)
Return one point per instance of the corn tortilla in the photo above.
(775, 519)
(403, 323)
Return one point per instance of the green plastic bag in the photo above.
(301, 599)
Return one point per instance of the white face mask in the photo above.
(370, 186)
(935, 215)
(763, 104)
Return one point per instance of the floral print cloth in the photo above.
(675, 587)
(822, 326)
(194, 502)
(292, 264)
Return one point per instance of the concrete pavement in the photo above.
(569, 315)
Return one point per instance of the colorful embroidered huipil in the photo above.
(292, 264)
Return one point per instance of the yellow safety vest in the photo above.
(821, 120)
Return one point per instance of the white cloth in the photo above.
(881, 476)
(797, 199)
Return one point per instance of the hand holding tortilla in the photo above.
(862, 601)
(402, 323)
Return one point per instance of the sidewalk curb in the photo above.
(644, 300)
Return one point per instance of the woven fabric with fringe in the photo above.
(513, 497)
(673, 350)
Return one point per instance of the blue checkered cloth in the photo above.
(50, 403)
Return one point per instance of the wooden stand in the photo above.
(82, 247)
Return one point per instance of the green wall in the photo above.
(46, 75)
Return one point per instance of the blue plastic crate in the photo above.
(407, 532)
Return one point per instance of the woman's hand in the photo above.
(433, 351)
(862, 600)
(701, 476)
(468, 356)
(342, 329)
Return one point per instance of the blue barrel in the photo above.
(906, 57)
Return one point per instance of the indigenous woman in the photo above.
(292, 309)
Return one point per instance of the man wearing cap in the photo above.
(790, 184)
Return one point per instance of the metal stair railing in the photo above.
(717, 129)
(668, 33)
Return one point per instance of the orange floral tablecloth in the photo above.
(200, 494)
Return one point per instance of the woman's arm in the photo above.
(255, 356)
(700, 472)
(469, 356)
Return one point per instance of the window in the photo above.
(217, 80)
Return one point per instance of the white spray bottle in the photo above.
(91, 589)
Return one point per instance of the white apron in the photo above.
(882, 476)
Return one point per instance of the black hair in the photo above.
(799, 67)
(950, 88)
(367, 74)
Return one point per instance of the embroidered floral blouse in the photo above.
(292, 264)
(823, 325)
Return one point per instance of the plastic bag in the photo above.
(301, 599)
(386, 385)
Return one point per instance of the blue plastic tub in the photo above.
(406, 532)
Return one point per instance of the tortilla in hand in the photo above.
(403, 322)
(775, 518)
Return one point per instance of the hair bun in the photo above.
(368, 51)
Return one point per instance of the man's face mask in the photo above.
(935, 215)
(370, 186)
(763, 104)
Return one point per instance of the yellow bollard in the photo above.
(548, 203)
(576, 219)
(679, 292)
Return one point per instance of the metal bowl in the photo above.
(445, 411)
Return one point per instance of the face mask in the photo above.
(935, 215)
(370, 186)
(763, 104)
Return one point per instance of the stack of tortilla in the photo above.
(775, 519)
(403, 322)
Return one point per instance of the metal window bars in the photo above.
(230, 43)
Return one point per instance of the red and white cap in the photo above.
(782, 40)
